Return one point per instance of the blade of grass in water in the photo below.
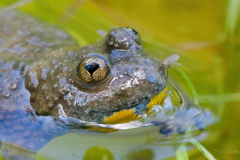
(181, 153)
(201, 148)
(85, 20)
(190, 85)
(232, 16)
(77, 37)
(16, 5)
(224, 98)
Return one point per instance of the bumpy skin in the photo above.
(24, 43)
(51, 74)
(133, 79)
(38, 75)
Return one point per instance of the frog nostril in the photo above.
(91, 68)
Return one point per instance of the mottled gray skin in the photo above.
(24, 43)
(133, 79)
(38, 69)
(50, 71)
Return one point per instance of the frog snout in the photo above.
(138, 83)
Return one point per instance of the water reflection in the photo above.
(98, 152)
(142, 154)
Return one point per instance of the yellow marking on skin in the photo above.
(126, 116)
(157, 100)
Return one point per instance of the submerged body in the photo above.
(50, 85)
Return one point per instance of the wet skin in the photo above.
(48, 82)
(41, 75)
(61, 85)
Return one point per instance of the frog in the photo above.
(88, 83)
(50, 85)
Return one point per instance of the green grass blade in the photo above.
(16, 5)
(232, 16)
(201, 148)
(181, 153)
(223, 98)
(190, 85)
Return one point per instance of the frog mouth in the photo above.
(125, 115)
(136, 112)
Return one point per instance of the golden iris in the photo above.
(92, 70)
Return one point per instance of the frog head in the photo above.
(95, 81)
(118, 74)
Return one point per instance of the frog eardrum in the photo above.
(123, 39)
(92, 70)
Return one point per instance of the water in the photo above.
(209, 71)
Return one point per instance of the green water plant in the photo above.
(232, 16)
(181, 153)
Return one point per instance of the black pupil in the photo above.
(91, 68)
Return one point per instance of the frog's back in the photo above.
(25, 39)
(25, 44)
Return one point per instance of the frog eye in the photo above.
(135, 35)
(92, 70)
(123, 39)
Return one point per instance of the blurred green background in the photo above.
(205, 34)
